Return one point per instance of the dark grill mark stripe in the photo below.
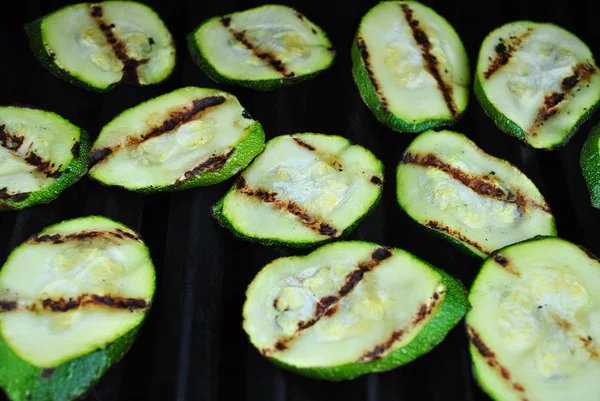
(303, 144)
(327, 306)
(379, 350)
(81, 236)
(98, 155)
(64, 305)
(75, 150)
(265, 56)
(376, 180)
(4, 195)
(130, 65)
(504, 51)
(581, 73)
(213, 163)
(314, 223)
(14, 142)
(431, 62)
(365, 56)
(484, 185)
(436, 225)
(7, 305)
(505, 263)
(492, 361)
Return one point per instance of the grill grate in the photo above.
(192, 346)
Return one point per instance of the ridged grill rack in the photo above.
(192, 346)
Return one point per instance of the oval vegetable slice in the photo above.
(534, 325)
(302, 190)
(41, 154)
(97, 45)
(187, 138)
(537, 81)
(350, 308)
(477, 201)
(261, 48)
(410, 67)
(72, 299)
(590, 165)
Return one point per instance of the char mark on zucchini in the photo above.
(315, 223)
(505, 263)
(13, 143)
(213, 163)
(84, 235)
(431, 62)
(581, 73)
(483, 185)
(65, 305)
(9, 141)
(376, 180)
(491, 359)
(76, 149)
(265, 56)
(4, 195)
(304, 144)
(6, 306)
(364, 55)
(130, 65)
(456, 234)
(327, 306)
(99, 155)
(504, 51)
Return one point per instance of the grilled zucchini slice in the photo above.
(350, 308)
(41, 154)
(304, 189)
(72, 299)
(477, 201)
(184, 139)
(537, 81)
(410, 67)
(535, 322)
(261, 48)
(590, 165)
(98, 45)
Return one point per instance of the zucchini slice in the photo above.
(350, 308)
(535, 322)
(590, 165)
(304, 189)
(98, 45)
(187, 138)
(72, 299)
(477, 201)
(261, 48)
(410, 67)
(41, 154)
(537, 81)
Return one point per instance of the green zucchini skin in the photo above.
(590, 165)
(454, 308)
(217, 212)
(265, 85)
(70, 175)
(24, 382)
(509, 127)
(369, 96)
(34, 33)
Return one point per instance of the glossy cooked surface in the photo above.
(202, 272)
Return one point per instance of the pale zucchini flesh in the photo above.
(534, 324)
(262, 48)
(302, 190)
(41, 154)
(350, 308)
(482, 203)
(187, 138)
(590, 165)
(537, 81)
(72, 295)
(410, 66)
(98, 45)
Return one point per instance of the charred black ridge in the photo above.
(304, 144)
(504, 51)
(581, 73)
(13, 143)
(84, 235)
(436, 225)
(98, 155)
(380, 349)
(65, 305)
(364, 55)
(4, 195)
(213, 163)
(431, 62)
(327, 306)
(314, 223)
(501, 260)
(130, 65)
(376, 180)
(267, 57)
(76, 149)
(481, 184)
(7, 305)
